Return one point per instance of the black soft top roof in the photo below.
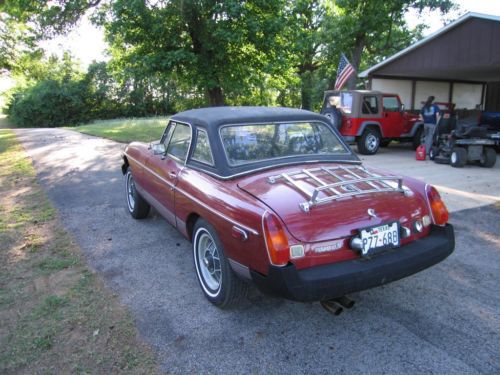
(214, 117)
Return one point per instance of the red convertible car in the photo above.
(275, 197)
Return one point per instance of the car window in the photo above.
(346, 102)
(167, 134)
(391, 104)
(179, 142)
(342, 101)
(245, 144)
(202, 151)
(369, 105)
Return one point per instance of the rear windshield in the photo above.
(342, 101)
(245, 144)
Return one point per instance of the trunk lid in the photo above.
(334, 219)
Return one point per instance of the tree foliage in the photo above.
(372, 30)
(221, 48)
(169, 55)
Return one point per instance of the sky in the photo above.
(86, 42)
(435, 21)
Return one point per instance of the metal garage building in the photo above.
(459, 63)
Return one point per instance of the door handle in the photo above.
(172, 174)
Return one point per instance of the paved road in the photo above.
(443, 320)
(461, 188)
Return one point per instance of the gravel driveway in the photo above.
(443, 320)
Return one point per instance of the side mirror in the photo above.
(159, 149)
(401, 107)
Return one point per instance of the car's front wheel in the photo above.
(136, 204)
(217, 280)
(369, 142)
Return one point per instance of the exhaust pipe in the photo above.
(345, 302)
(332, 307)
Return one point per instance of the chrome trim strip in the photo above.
(242, 232)
(220, 214)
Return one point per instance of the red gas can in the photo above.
(420, 154)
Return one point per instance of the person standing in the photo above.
(430, 116)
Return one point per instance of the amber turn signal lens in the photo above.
(439, 211)
(276, 241)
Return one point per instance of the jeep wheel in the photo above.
(458, 157)
(217, 280)
(136, 204)
(417, 138)
(369, 142)
(488, 158)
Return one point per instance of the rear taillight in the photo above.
(439, 211)
(276, 240)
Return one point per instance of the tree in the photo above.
(377, 26)
(306, 23)
(220, 47)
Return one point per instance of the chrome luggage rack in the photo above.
(347, 179)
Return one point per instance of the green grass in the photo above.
(55, 314)
(126, 130)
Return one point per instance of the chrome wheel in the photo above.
(454, 157)
(130, 186)
(371, 142)
(208, 263)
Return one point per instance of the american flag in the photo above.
(344, 71)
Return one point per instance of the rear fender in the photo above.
(367, 124)
(414, 130)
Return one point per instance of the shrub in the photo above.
(50, 103)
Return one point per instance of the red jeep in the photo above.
(371, 119)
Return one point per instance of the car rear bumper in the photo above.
(338, 279)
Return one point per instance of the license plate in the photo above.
(379, 237)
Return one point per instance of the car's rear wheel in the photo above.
(136, 204)
(488, 158)
(458, 157)
(217, 280)
(369, 142)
